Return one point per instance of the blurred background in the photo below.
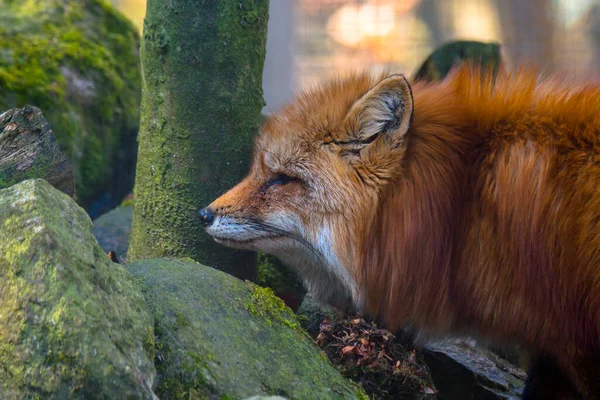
(310, 40)
(78, 60)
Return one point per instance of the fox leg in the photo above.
(546, 381)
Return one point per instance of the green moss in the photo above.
(237, 340)
(127, 202)
(181, 320)
(187, 158)
(263, 302)
(74, 326)
(38, 170)
(77, 62)
(149, 342)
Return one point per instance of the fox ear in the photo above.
(385, 110)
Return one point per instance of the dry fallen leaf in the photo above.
(369, 355)
(321, 338)
(348, 349)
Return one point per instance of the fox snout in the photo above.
(207, 216)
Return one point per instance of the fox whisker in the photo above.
(274, 229)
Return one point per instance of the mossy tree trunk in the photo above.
(202, 65)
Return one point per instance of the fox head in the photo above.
(319, 169)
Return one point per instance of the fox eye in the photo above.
(281, 180)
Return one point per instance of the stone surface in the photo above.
(462, 370)
(28, 149)
(73, 324)
(220, 337)
(112, 230)
(78, 61)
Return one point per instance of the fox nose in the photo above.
(207, 216)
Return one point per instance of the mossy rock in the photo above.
(73, 323)
(78, 61)
(220, 337)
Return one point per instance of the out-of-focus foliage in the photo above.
(78, 61)
(444, 58)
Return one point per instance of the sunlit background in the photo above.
(312, 39)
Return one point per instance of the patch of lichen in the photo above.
(72, 321)
(265, 303)
(45, 44)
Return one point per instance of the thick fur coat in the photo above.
(469, 206)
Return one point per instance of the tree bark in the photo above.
(28, 149)
(202, 63)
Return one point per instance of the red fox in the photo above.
(469, 206)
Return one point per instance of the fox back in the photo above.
(469, 206)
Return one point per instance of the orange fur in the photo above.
(494, 227)
(482, 218)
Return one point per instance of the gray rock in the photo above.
(220, 337)
(112, 230)
(462, 370)
(73, 324)
(28, 149)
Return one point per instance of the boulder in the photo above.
(78, 61)
(220, 337)
(112, 230)
(28, 149)
(462, 370)
(73, 323)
